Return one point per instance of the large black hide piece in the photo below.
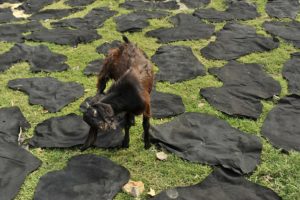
(93, 67)
(12, 122)
(70, 130)
(136, 21)
(236, 40)
(290, 31)
(186, 27)
(93, 20)
(151, 5)
(291, 72)
(53, 13)
(195, 3)
(282, 125)
(283, 8)
(176, 64)
(221, 184)
(14, 32)
(206, 139)
(6, 15)
(40, 58)
(16, 164)
(106, 46)
(64, 36)
(236, 11)
(245, 85)
(49, 92)
(85, 177)
(166, 105)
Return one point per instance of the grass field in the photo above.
(278, 171)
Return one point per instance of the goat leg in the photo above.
(128, 118)
(146, 126)
(132, 119)
(90, 139)
(102, 84)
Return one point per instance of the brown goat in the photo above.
(119, 60)
(130, 93)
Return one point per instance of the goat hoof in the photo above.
(83, 148)
(125, 145)
(147, 146)
(132, 120)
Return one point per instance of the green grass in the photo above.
(278, 171)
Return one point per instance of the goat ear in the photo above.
(108, 110)
(126, 40)
(94, 100)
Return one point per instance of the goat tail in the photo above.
(125, 39)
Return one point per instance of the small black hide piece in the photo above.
(236, 11)
(290, 31)
(221, 184)
(49, 92)
(195, 3)
(60, 132)
(79, 2)
(70, 130)
(33, 6)
(105, 47)
(206, 139)
(283, 8)
(64, 36)
(93, 20)
(14, 32)
(16, 164)
(40, 58)
(6, 15)
(291, 72)
(186, 27)
(93, 68)
(236, 40)
(85, 177)
(136, 21)
(245, 85)
(166, 105)
(53, 13)
(11, 122)
(151, 5)
(176, 64)
(282, 125)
